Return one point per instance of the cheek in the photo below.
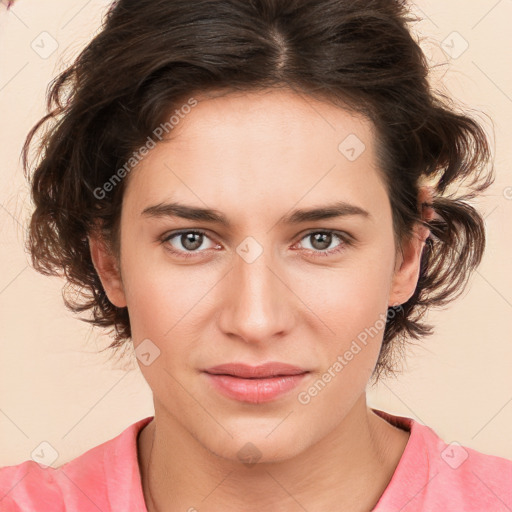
(167, 303)
(353, 307)
(342, 301)
(154, 297)
(348, 306)
(348, 297)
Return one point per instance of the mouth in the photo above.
(263, 371)
(255, 384)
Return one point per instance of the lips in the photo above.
(264, 371)
(255, 384)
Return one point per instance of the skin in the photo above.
(255, 157)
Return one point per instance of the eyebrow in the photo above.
(175, 209)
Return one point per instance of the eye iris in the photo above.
(189, 237)
(325, 240)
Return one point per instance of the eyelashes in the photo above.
(184, 253)
(345, 240)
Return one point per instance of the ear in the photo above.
(107, 267)
(408, 261)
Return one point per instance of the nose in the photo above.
(258, 304)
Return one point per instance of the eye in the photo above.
(321, 240)
(190, 241)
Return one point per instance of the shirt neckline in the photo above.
(406, 472)
(412, 469)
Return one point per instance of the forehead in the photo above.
(271, 115)
(257, 149)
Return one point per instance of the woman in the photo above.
(256, 194)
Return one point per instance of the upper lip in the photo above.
(272, 369)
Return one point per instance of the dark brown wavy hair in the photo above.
(357, 54)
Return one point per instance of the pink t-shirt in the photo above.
(431, 476)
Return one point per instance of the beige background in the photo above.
(55, 388)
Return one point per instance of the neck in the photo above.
(348, 469)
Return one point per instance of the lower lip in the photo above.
(254, 391)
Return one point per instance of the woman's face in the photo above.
(265, 285)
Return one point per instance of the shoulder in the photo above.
(434, 474)
(468, 476)
(84, 483)
(27, 486)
